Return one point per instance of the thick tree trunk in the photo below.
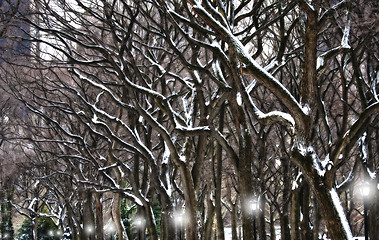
(261, 219)
(233, 212)
(316, 221)
(99, 217)
(285, 232)
(167, 227)
(284, 215)
(116, 216)
(306, 232)
(234, 221)
(245, 188)
(334, 219)
(88, 217)
(327, 198)
(295, 214)
(207, 230)
(218, 182)
(272, 223)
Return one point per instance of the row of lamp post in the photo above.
(139, 222)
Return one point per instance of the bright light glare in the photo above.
(110, 228)
(254, 206)
(365, 189)
(51, 233)
(179, 218)
(89, 229)
(139, 222)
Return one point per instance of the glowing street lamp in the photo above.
(139, 224)
(89, 231)
(365, 192)
(110, 229)
(179, 220)
(254, 206)
(51, 233)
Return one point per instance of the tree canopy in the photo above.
(199, 106)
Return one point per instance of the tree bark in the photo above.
(99, 217)
(218, 182)
(295, 214)
(116, 216)
(306, 232)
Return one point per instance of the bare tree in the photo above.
(147, 99)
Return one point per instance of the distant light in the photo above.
(179, 218)
(139, 222)
(110, 227)
(365, 189)
(59, 233)
(51, 233)
(89, 229)
(254, 205)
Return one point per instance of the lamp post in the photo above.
(365, 192)
(254, 208)
(179, 218)
(139, 223)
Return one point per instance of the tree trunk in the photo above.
(233, 212)
(272, 223)
(218, 182)
(245, 188)
(327, 198)
(316, 221)
(284, 217)
(306, 232)
(99, 217)
(285, 232)
(261, 219)
(88, 216)
(295, 214)
(333, 219)
(234, 221)
(207, 230)
(116, 216)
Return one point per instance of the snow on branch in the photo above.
(352, 134)
(277, 116)
(334, 51)
(250, 66)
(341, 213)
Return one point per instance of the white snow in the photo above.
(320, 61)
(271, 65)
(239, 99)
(362, 142)
(341, 213)
(298, 179)
(166, 154)
(345, 37)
